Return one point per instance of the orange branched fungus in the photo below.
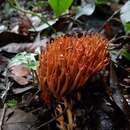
(69, 61)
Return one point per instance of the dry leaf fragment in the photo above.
(20, 70)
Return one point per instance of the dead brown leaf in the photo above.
(20, 70)
(19, 120)
(3, 62)
(20, 80)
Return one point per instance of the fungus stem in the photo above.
(69, 114)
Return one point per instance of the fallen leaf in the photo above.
(87, 8)
(19, 120)
(3, 62)
(20, 70)
(117, 95)
(10, 37)
(3, 28)
(21, 90)
(20, 47)
(125, 13)
(20, 80)
(43, 26)
(25, 25)
(127, 81)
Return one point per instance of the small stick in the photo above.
(8, 84)
(116, 12)
(115, 39)
(2, 116)
(50, 121)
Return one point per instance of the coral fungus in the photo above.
(69, 61)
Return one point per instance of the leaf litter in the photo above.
(103, 104)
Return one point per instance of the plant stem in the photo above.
(109, 19)
(43, 19)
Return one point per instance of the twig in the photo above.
(50, 121)
(7, 87)
(2, 116)
(115, 39)
(32, 13)
(4, 94)
(33, 96)
(116, 12)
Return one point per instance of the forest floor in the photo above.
(104, 100)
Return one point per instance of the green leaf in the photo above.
(60, 6)
(127, 27)
(126, 54)
(125, 16)
(40, 4)
(12, 103)
(98, 2)
(33, 65)
(25, 58)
